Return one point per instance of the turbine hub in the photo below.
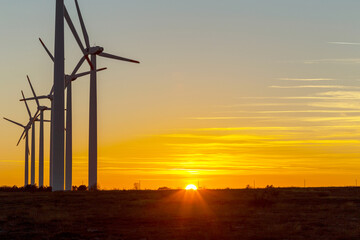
(95, 50)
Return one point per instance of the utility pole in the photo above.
(59, 85)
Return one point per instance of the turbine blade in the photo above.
(52, 90)
(21, 137)
(26, 132)
(85, 73)
(86, 36)
(47, 50)
(35, 117)
(34, 98)
(73, 30)
(107, 55)
(33, 91)
(27, 107)
(14, 122)
(78, 66)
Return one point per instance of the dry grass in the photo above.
(293, 213)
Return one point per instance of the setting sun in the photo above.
(191, 187)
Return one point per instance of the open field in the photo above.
(288, 213)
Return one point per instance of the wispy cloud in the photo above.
(275, 98)
(328, 119)
(309, 111)
(344, 43)
(334, 60)
(318, 86)
(306, 79)
(247, 129)
(343, 105)
(342, 94)
(259, 104)
(231, 137)
(274, 128)
(222, 118)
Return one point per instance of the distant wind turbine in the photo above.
(29, 125)
(93, 51)
(26, 128)
(32, 124)
(41, 109)
(50, 96)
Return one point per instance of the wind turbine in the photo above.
(50, 96)
(68, 85)
(32, 125)
(93, 52)
(29, 125)
(41, 109)
(26, 128)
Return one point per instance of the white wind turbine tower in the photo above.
(26, 128)
(93, 51)
(68, 83)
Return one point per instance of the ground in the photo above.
(271, 213)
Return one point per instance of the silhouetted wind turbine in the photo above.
(50, 96)
(68, 86)
(41, 109)
(29, 125)
(26, 128)
(31, 120)
(93, 51)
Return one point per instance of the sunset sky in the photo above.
(227, 92)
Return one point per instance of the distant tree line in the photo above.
(34, 188)
(28, 188)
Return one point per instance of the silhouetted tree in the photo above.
(82, 188)
(31, 188)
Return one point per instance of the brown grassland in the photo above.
(271, 213)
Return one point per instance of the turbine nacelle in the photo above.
(94, 50)
(68, 78)
(43, 108)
